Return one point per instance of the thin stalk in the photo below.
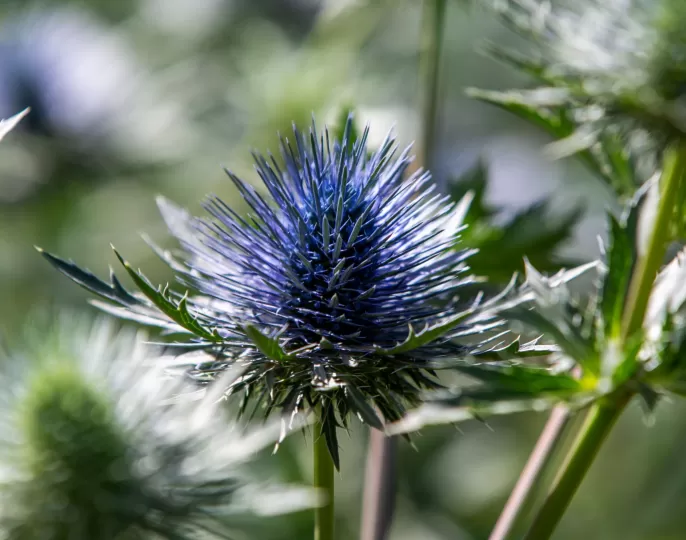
(379, 486)
(674, 167)
(601, 419)
(430, 67)
(604, 414)
(523, 494)
(324, 481)
(379, 490)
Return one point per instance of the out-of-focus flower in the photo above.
(332, 293)
(93, 104)
(98, 443)
(608, 69)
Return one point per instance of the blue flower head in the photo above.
(336, 292)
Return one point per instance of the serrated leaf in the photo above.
(359, 404)
(561, 332)
(429, 334)
(620, 257)
(515, 349)
(268, 346)
(329, 426)
(141, 314)
(537, 69)
(521, 379)
(176, 311)
(608, 158)
(113, 291)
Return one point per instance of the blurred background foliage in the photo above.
(131, 98)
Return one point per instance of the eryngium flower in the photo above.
(98, 445)
(612, 65)
(331, 292)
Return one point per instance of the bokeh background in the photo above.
(133, 98)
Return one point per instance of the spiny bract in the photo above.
(337, 294)
(98, 443)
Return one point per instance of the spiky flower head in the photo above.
(331, 292)
(608, 67)
(98, 444)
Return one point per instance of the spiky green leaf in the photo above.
(112, 291)
(360, 405)
(269, 346)
(429, 334)
(175, 310)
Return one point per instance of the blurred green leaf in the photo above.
(603, 153)
(620, 257)
(533, 381)
(534, 233)
(269, 346)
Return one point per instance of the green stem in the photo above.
(648, 266)
(324, 481)
(595, 430)
(432, 44)
(604, 414)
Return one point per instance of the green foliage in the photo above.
(609, 117)
(427, 335)
(588, 356)
(176, 310)
(603, 153)
(155, 306)
(534, 233)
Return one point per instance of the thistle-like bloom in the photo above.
(332, 292)
(608, 67)
(98, 444)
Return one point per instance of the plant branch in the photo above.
(605, 413)
(523, 494)
(648, 266)
(323, 480)
(379, 490)
(379, 486)
(430, 64)
(595, 430)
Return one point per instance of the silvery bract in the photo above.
(98, 443)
